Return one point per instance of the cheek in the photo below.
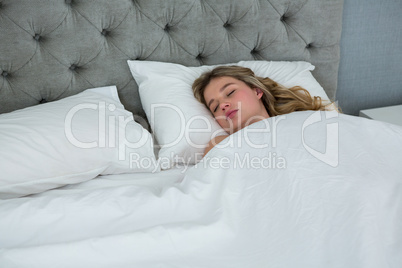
(244, 97)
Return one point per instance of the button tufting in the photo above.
(4, 74)
(43, 101)
(309, 45)
(200, 58)
(73, 67)
(104, 32)
(283, 18)
(167, 28)
(226, 25)
(37, 37)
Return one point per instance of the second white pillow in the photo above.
(69, 141)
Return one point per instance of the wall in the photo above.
(370, 71)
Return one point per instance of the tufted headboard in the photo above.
(50, 49)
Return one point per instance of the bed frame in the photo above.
(51, 49)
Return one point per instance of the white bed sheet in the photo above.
(152, 181)
(309, 214)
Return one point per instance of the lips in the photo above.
(230, 114)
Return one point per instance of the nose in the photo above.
(224, 106)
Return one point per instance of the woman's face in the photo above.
(233, 103)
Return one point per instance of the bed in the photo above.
(101, 161)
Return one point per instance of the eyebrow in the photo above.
(220, 90)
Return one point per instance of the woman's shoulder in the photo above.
(214, 141)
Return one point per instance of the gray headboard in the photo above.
(50, 49)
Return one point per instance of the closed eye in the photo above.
(230, 93)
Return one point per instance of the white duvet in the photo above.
(313, 189)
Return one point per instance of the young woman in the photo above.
(237, 98)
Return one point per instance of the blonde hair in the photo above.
(277, 99)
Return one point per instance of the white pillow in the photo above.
(70, 141)
(175, 115)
